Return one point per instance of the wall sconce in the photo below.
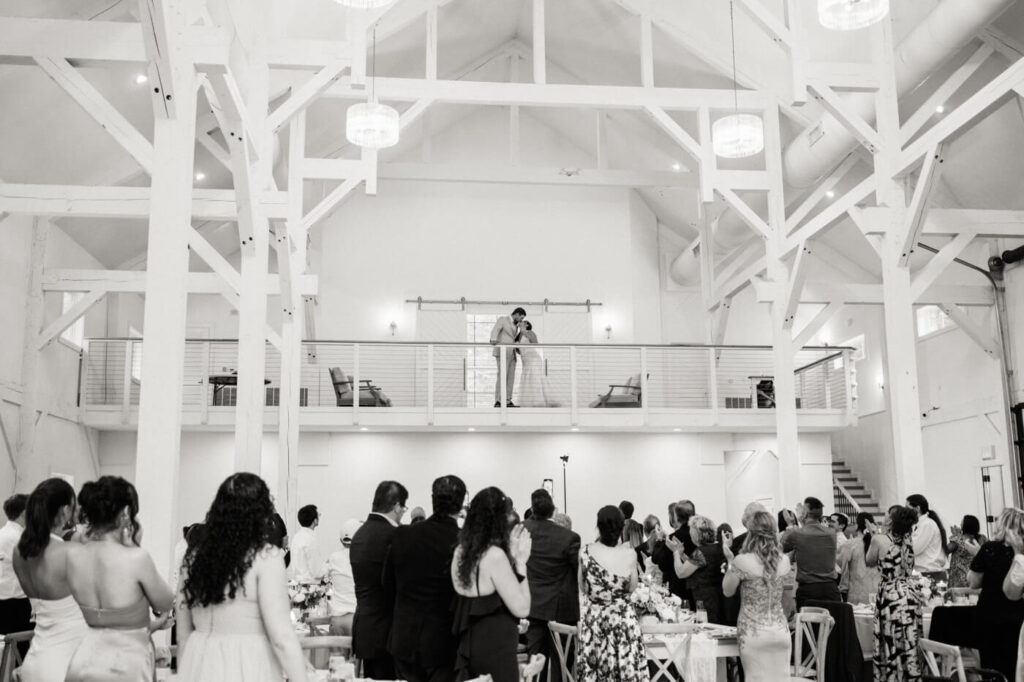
(608, 332)
(394, 327)
(881, 382)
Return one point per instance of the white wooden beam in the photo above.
(306, 94)
(767, 21)
(156, 28)
(710, 176)
(798, 51)
(981, 336)
(820, 192)
(985, 223)
(706, 226)
(822, 293)
(720, 322)
(675, 131)
(754, 221)
(857, 126)
(646, 51)
(739, 281)
(215, 149)
(134, 281)
(29, 469)
(843, 264)
(929, 274)
(795, 285)
(930, 172)
(539, 43)
(817, 322)
(833, 212)
(329, 203)
(584, 177)
(601, 135)
(431, 42)
(214, 259)
(68, 318)
(101, 111)
(926, 111)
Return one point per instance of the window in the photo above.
(930, 319)
(74, 334)
(481, 370)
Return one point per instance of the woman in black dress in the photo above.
(488, 572)
(702, 570)
(997, 619)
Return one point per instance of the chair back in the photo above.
(530, 672)
(813, 624)
(564, 638)
(10, 659)
(329, 645)
(667, 646)
(342, 384)
(942, 660)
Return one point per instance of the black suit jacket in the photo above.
(737, 543)
(663, 559)
(552, 572)
(419, 567)
(374, 603)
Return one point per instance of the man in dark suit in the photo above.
(553, 574)
(419, 568)
(663, 556)
(375, 604)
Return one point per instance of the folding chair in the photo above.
(674, 640)
(530, 672)
(11, 657)
(563, 636)
(815, 624)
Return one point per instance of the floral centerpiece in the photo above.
(652, 598)
(932, 593)
(306, 597)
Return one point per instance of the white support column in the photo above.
(539, 49)
(163, 368)
(29, 469)
(646, 51)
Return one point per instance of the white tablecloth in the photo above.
(726, 646)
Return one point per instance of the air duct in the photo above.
(820, 147)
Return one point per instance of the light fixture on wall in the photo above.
(850, 15)
(370, 124)
(394, 327)
(881, 382)
(608, 332)
(737, 135)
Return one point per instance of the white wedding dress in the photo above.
(534, 390)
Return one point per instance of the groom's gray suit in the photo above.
(504, 333)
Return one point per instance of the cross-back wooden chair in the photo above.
(530, 672)
(564, 637)
(11, 657)
(813, 624)
(674, 640)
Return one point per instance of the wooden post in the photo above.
(30, 470)
(163, 368)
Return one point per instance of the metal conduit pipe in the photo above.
(822, 146)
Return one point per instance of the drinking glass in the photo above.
(702, 614)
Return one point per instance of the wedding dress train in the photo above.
(534, 390)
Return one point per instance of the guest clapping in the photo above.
(929, 539)
(702, 568)
(998, 619)
(814, 550)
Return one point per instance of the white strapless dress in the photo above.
(534, 390)
(59, 629)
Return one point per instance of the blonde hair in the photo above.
(1010, 527)
(763, 542)
(706, 531)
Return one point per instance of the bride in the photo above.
(534, 390)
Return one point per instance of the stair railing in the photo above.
(845, 502)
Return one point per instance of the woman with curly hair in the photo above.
(489, 576)
(233, 618)
(898, 604)
(116, 585)
(759, 575)
(40, 563)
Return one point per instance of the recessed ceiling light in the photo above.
(363, 428)
(677, 429)
(575, 428)
(940, 109)
(200, 176)
(830, 194)
(141, 78)
(677, 166)
(471, 429)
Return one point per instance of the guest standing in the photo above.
(15, 609)
(553, 572)
(308, 563)
(748, 515)
(374, 604)
(997, 618)
(664, 555)
(929, 539)
(964, 543)
(489, 572)
(787, 520)
(758, 574)
(419, 568)
(233, 618)
(814, 551)
(629, 530)
(343, 587)
(116, 585)
(278, 537)
(897, 627)
(859, 582)
(41, 566)
(611, 646)
(839, 522)
(702, 568)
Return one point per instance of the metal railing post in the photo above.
(828, 387)
(713, 378)
(430, 384)
(204, 384)
(503, 382)
(126, 383)
(645, 396)
(574, 407)
(356, 392)
(850, 380)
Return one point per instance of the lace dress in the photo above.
(762, 628)
(611, 646)
(897, 616)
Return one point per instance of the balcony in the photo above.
(451, 386)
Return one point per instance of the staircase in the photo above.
(843, 476)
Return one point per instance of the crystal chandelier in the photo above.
(370, 124)
(737, 135)
(365, 4)
(850, 15)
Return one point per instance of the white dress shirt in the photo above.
(343, 594)
(929, 554)
(10, 588)
(308, 564)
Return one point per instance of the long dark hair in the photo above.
(101, 502)
(486, 525)
(44, 504)
(237, 526)
(921, 502)
(863, 519)
(610, 522)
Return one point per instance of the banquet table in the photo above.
(727, 645)
(953, 625)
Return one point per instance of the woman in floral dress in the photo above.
(898, 605)
(611, 646)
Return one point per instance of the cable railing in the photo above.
(428, 378)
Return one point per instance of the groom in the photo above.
(504, 333)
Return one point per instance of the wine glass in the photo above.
(702, 615)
